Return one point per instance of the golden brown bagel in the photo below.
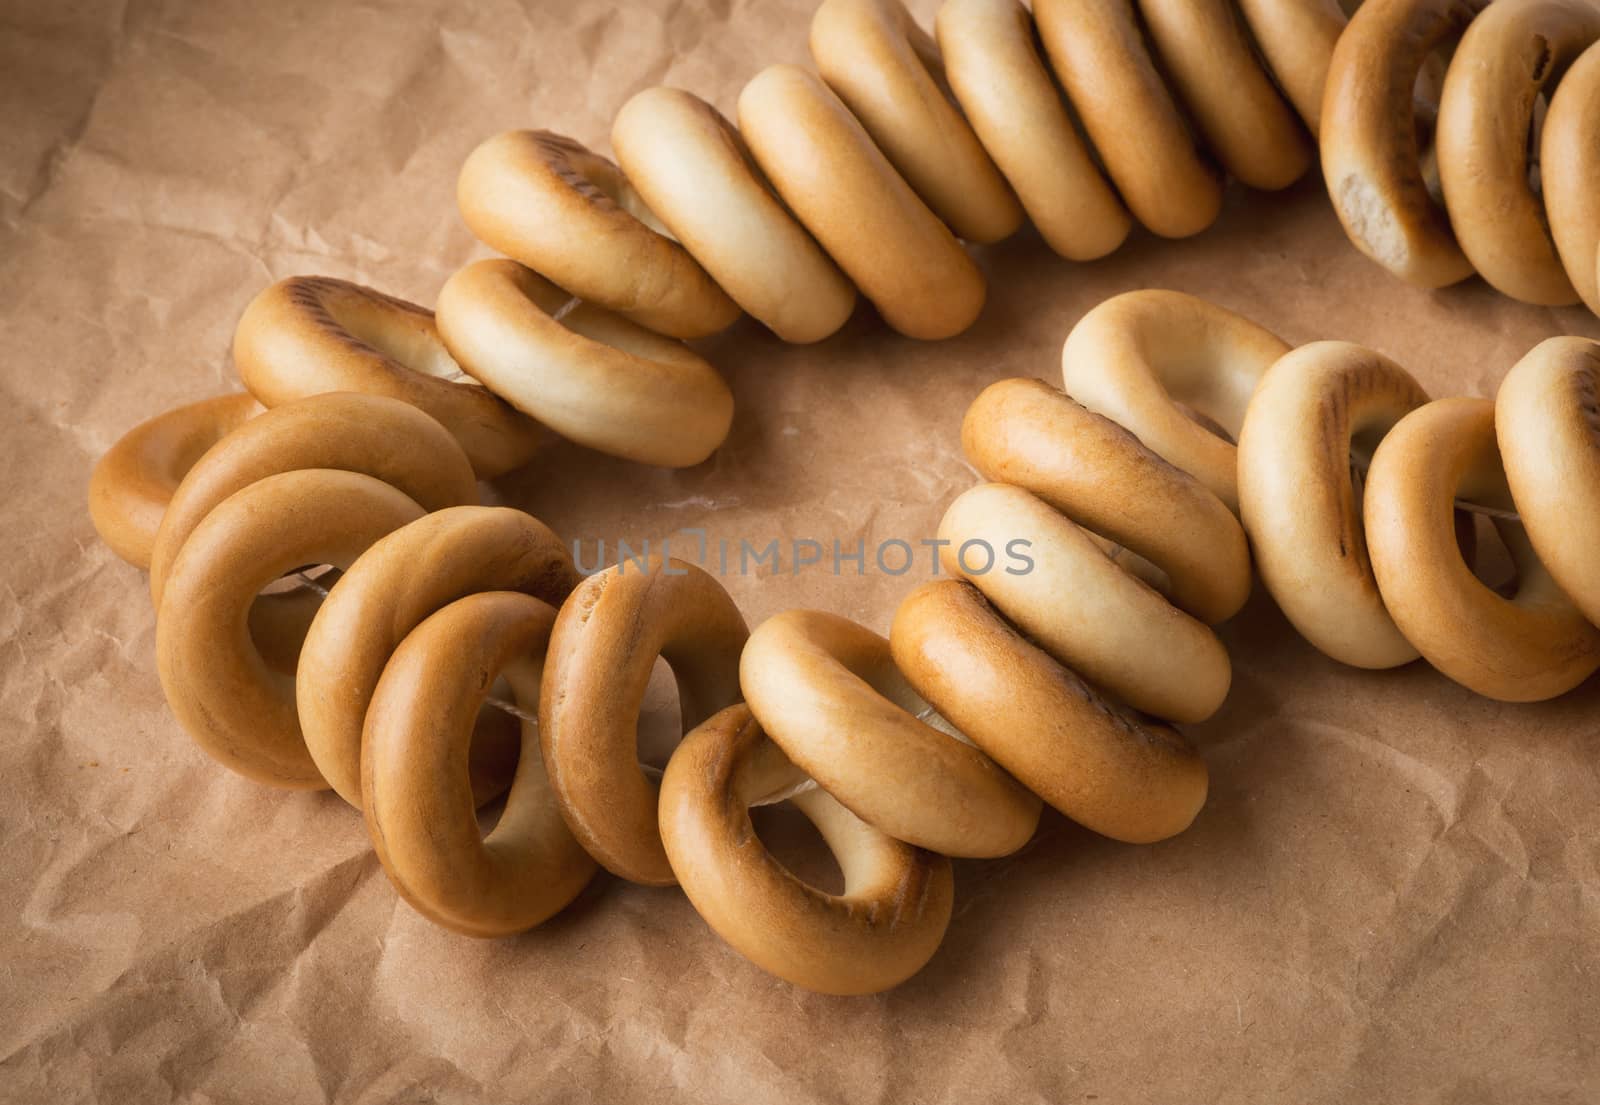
(1544, 423)
(1529, 647)
(1013, 105)
(601, 653)
(826, 690)
(1101, 766)
(873, 54)
(311, 334)
(416, 794)
(1314, 408)
(880, 931)
(1513, 53)
(382, 437)
(1569, 165)
(1098, 53)
(1369, 137)
(1297, 38)
(1214, 68)
(388, 591)
(691, 167)
(216, 681)
(1027, 433)
(134, 481)
(862, 212)
(570, 214)
(588, 374)
(1138, 355)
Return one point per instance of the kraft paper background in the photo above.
(1393, 893)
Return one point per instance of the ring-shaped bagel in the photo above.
(1369, 137)
(1027, 433)
(590, 375)
(416, 791)
(601, 654)
(1545, 423)
(1512, 53)
(879, 932)
(840, 185)
(571, 215)
(1532, 646)
(876, 58)
(311, 334)
(692, 168)
(1138, 355)
(1222, 85)
(219, 686)
(1012, 103)
(1297, 38)
(1569, 164)
(1125, 778)
(1313, 409)
(135, 480)
(388, 591)
(827, 692)
(1097, 51)
(382, 437)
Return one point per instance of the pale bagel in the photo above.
(1511, 54)
(588, 374)
(386, 592)
(1544, 423)
(873, 54)
(1532, 646)
(1137, 356)
(691, 167)
(134, 481)
(862, 212)
(311, 334)
(880, 931)
(217, 683)
(416, 795)
(571, 215)
(1132, 780)
(1314, 408)
(601, 653)
(826, 691)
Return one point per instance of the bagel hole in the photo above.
(1541, 105)
(660, 720)
(1486, 552)
(1425, 94)
(390, 332)
(796, 843)
(282, 613)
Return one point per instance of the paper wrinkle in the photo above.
(1393, 892)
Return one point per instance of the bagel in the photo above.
(1512, 53)
(381, 437)
(876, 58)
(1569, 164)
(880, 931)
(826, 691)
(588, 374)
(1096, 763)
(216, 681)
(134, 481)
(1526, 648)
(1369, 141)
(1314, 408)
(571, 215)
(691, 167)
(832, 176)
(602, 650)
(416, 795)
(1544, 424)
(1140, 134)
(1297, 38)
(311, 334)
(1138, 355)
(386, 592)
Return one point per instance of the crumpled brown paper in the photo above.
(1393, 893)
